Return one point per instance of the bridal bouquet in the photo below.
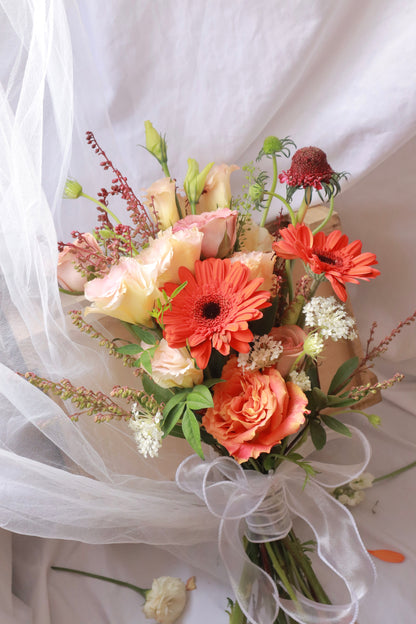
(225, 349)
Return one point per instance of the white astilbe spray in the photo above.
(330, 318)
(301, 379)
(264, 352)
(147, 431)
(352, 493)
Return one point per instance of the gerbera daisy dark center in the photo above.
(211, 309)
(328, 259)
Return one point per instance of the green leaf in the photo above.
(146, 360)
(130, 349)
(162, 395)
(143, 333)
(319, 399)
(180, 397)
(264, 324)
(337, 401)
(336, 425)
(172, 418)
(343, 374)
(211, 382)
(191, 431)
(318, 434)
(199, 398)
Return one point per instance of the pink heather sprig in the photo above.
(128, 360)
(145, 228)
(132, 395)
(87, 401)
(360, 392)
(384, 344)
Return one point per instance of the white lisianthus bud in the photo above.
(166, 600)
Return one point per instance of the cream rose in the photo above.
(169, 251)
(128, 292)
(68, 277)
(174, 367)
(166, 600)
(160, 200)
(256, 238)
(217, 189)
(260, 264)
(218, 228)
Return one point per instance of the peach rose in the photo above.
(256, 238)
(174, 367)
(68, 277)
(260, 264)
(169, 251)
(128, 292)
(253, 411)
(217, 189)
(292, 338)
(218, 228)
(160, 199)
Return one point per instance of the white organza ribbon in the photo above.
(261, 506)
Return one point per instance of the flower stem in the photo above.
(271, 193)
(286, 203)
(139, 590)
(101, 205)
(395, 472)
(327, 218)
(280, 571)
(236, 615)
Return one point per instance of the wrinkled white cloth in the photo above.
(217, 79)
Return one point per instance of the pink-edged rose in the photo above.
(218, 228)
(217, 189)
(161, 202)
(260, 264)
(174, 367)
(128, 292)
(68, 277)
(292, 338)
(253, 410)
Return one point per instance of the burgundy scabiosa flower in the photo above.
(310, 168)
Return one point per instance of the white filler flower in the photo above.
(330, 318)
(147, 431)
(166, 600)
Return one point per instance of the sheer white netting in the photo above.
(58, 478)
(85, 481)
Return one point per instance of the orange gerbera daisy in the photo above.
(332, 255)
(214, 308)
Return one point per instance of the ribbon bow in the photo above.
(261, 506)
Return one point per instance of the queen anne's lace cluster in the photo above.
(147, 431)
(330, 318)
(264, 352)
(301, 379)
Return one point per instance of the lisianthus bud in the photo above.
(155, 144)
(195, 180)
(72, 190)
(272, 145)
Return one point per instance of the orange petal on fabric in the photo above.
(391, 556)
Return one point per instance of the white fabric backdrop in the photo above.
(217, 78)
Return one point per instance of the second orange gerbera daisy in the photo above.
(332, 255)
(213, 309)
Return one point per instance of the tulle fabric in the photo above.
(85, 481)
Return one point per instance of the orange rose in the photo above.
(292, 338)
(253, 411)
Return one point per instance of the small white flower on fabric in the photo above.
(364, 481)
(264, 352)
(352, 498)
(301, 379)
(330, 318)
(147, 431)
(166, 600)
